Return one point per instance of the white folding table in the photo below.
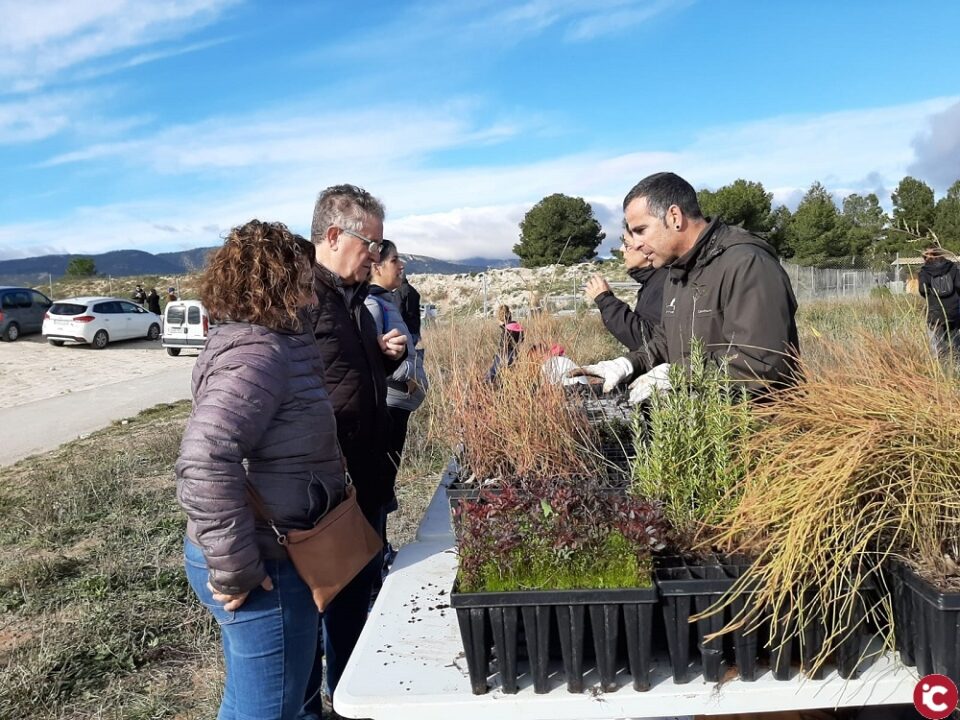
(409, 662)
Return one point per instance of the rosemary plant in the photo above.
(691, 447)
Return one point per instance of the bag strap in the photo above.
(260, 510)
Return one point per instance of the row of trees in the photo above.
(562, 229)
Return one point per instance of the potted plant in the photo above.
(525, 427)
(691, 457)
(556, 553)
(853, 468)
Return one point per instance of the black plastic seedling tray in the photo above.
(687, 587)
(786, 654)
(931, 619)
(503, 625)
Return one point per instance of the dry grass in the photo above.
(520, 426)
(96, 618)
(859, 462)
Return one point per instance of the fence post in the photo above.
(483, 278)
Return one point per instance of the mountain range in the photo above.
(129, 263)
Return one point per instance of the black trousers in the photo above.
(398, 436)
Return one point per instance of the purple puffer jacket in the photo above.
(260, 411)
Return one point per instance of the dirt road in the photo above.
(54, 394)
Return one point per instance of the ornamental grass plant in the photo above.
(551, 524)
(857, 463)
(521, 426)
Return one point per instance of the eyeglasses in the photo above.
(373, 246)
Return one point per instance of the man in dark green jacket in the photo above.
(725, 287)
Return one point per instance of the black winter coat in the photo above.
(634, 327)
(729, 291)
(408, 300)
(356, 378)
(260, 413)
(943, 305)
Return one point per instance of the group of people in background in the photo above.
(306, 384)
(151, 300)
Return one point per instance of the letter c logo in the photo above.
(935, 697)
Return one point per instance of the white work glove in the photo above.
(650, 382)
(613, 372)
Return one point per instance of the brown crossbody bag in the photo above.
(331, 553)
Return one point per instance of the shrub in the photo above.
(691, 450)
(554, 535)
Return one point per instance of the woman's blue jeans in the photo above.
(269, 643)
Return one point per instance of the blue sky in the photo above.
(158, 126)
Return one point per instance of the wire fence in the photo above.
(853, 277)
(847, 278)
(818, 283)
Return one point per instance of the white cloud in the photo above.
(465, 232)
(276, 169)
(619, 20)
(486, 24)
(43, 38)
(34, 118)
(285, 138)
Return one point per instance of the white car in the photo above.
(98, 321)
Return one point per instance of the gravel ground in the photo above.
(31, 369)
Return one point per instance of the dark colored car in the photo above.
(21, 311)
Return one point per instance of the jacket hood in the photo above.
(379, 290)
(641, 275)
(227, 330)
(716, 239)
(938, 267)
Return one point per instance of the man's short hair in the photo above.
(662, 190)
(346, 206)
(934, 251)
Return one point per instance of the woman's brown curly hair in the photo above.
(256, 276)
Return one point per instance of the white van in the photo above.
(185, 325)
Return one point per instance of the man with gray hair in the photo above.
(347, 232)
(725, 287)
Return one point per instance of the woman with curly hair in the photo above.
(261, 416)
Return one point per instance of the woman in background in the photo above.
(261, 416)
(407, 386)
(511, 334)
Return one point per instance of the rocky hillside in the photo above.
(552, 285)
(454, 295)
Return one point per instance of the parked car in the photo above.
(428, 312)
(98, 321)
(21, 311)
(185, 325)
